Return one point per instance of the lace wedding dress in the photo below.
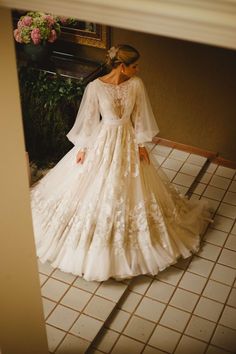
(114, 215)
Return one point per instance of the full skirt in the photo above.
(114, 215)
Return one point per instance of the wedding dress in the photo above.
(114, 215)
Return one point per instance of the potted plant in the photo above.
(37, 31)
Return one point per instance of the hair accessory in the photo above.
(112, 52)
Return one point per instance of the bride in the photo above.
(104, 210)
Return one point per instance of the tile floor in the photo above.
(188, 308)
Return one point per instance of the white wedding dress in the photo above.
(114, 215)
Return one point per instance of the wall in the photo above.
(22, 328)
(192, 88)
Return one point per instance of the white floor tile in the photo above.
(129, 301)
(42, 278)
(232, 187)
(208, 309)
(62, 317)
(86, 327)
(190, 169)
(227, 210)
(111, 290)
(106, 340)
(228, 258)
(220, 182)
(66, 277)
(233, 231)
(216, 291)
(172, 164)
(225, 338)
(200, 328)
(170, 275)
(90, 286)
(139, 328)
(72, 345)
(192, 282)
(212, 167)
(54, 337)
(222, 223)
(184, 300)
(230, 198)
(183, 179)
(209, 251)
(213, 204)
(99, 308)
(151, 350)
(223, 274)
(54, 289)
(174, 318)
(150, 309)
(165, 339)
(127, 345)
(215, 237)
(181, 189)
(214, 193)
(140, 284)
(228, 317)
(118, 320)
(231, 242)
(190, 345)
(179, 154)
(200, 266)
(197, 159)
(169, 173)
(162, 150)
(160, 291)
(157, 159)
(199, 189)
(215, 350)
(232, 298)
(76, 298)
(225, 172)
(48, 306)
(205, 178)
(45, 268)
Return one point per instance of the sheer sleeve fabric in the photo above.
(144, 122)
(83, 132)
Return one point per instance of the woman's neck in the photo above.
(114, 77)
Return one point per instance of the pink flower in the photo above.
(27, 21)
(20, 24)
(63, 20)
(17, 35)
(50, 20)
(53, 36)
(36, 36)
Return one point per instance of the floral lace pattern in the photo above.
(112, 216)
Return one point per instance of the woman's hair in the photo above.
(121, 53)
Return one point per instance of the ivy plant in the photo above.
(49, 107)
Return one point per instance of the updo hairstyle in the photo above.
(121, 53)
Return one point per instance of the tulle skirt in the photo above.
(114, 215)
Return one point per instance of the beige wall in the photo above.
(192, 88)
(22, 329)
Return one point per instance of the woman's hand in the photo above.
(143, 154)
(80, 157)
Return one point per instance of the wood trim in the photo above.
(204, 21)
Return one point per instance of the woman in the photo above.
(104, 211)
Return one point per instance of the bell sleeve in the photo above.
(83, 132)
(143, 120)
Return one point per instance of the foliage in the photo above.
(49, 107)
(37, 28)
